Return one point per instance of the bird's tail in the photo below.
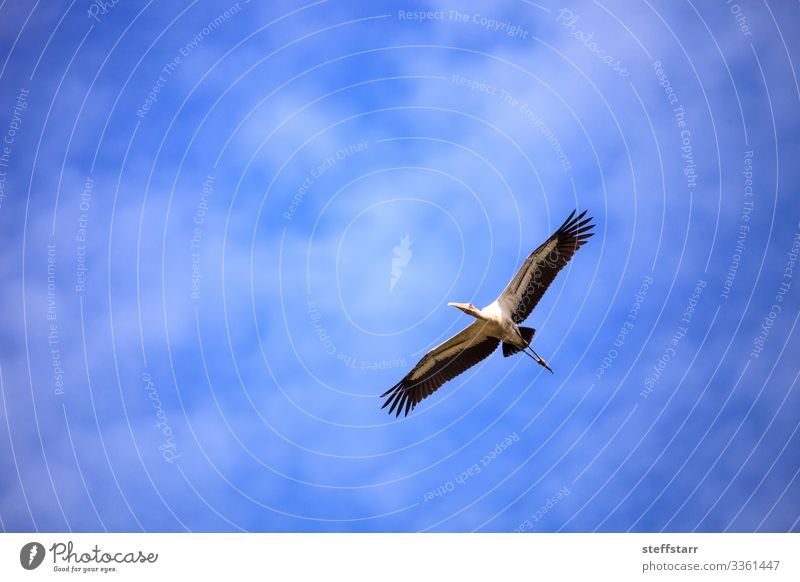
(527, 335)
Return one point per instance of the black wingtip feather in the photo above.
(576, 225)
(395, 394)
(399, 399)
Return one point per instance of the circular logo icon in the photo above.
(31, 555)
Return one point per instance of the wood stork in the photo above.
(497, 322)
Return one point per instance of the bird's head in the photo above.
(467, 308)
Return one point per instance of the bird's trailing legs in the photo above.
(537, 358)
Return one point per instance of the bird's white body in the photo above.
(499, 324)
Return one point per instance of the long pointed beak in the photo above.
(539, 359)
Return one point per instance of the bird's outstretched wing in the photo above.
(541, 267)
(442, 363)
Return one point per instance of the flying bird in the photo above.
(496, 323)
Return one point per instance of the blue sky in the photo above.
(205, 284)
